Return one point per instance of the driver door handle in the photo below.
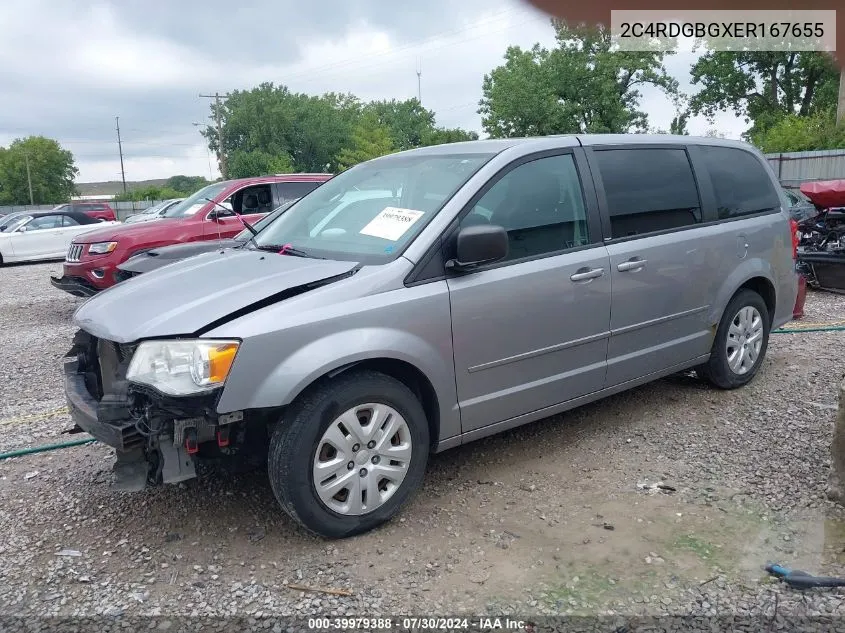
(585, 274)
(632, 264)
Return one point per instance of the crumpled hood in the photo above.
(164, 255)
(138, 230)
(186, 296)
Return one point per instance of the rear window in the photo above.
(740, 182)
(648, 190)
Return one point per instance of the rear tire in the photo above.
(349, 453)
(739, 347)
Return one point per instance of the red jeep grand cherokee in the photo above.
(92, 259)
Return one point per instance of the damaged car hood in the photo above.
(186, 296)
(164, 255)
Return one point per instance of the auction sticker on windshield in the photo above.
(392, 223)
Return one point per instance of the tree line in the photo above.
(271, 129)
(579, 85)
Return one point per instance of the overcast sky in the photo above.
(67, 69)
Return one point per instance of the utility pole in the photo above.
(120, 149)
(28, 178)
(840, 110)
(221, 154)
(419, 81)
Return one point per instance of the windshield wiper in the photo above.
(237, 213)
(285, 249)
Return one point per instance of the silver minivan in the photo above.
(476, 287)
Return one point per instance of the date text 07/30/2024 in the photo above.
(407, 623)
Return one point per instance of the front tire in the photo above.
(740, 343)
(349, 453)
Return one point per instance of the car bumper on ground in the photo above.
(82, 408)
(76, 286)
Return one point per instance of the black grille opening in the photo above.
(123, 275)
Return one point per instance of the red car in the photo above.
(96, 210)
(92, 259)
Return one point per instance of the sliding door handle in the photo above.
(585, 274)
(632, 264)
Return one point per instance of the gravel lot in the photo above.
(548, 518)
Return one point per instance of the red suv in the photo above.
(92, 259)
(96, 210)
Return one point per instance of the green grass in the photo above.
(694, 544)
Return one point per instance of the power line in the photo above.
(333, 68)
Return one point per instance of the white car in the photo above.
(43, 234)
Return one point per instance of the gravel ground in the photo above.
(551, 518)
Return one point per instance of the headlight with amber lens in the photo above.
(101, 248)
(182, 367)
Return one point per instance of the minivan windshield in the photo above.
(244, 235)
(370, 212)
(195, 202)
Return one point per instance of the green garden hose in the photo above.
(829, 328)
(46, 447)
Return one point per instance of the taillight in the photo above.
(793, 225)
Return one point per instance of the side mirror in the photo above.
(479, 245)
(215, 215)
(23, 229)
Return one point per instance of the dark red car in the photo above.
(92, 259)
(97, 210)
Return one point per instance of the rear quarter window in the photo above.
(293, 190)
(741, 184)
(648, 190)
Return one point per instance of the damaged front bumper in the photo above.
(156, 438)
(83, 407)
(76, 286)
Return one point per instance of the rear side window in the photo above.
(294, 190)
(740, 182)
(648, 190)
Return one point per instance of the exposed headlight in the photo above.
(101, 248)
(182, 367)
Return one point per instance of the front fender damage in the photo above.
(158, 439)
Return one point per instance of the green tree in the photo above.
(795, 133)
(51, 170)
(440, 135)
(578, 86)
(186, 184)
(370, 139)
(275, 122)
(764, 87)
(679, 124)
(407, 121)
(150, 192)
(258, 163)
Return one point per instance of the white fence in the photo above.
(122, 209)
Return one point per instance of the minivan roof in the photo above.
(495, 146)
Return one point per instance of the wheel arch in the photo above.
(425, 368)
(766, 289)
(756, 275)
(403, 371)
